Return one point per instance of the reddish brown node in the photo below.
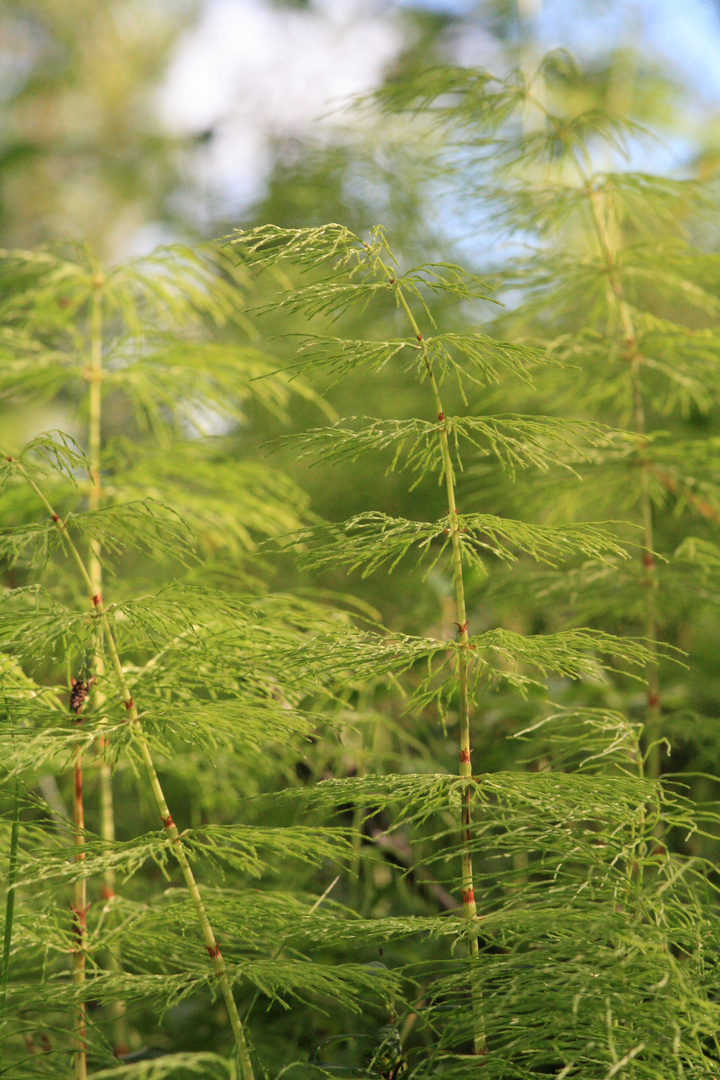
(55, 518)
(441, 416)
(129, 704)
(167, 821)
(213, 952)
(107, 892)
(419, 336)
(468, 896)
(465, 755)
(96, 599)
(653, 701)
(462, 628)
(81, 916)
(648, 560)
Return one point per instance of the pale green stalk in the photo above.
(94, 375)
(634, 359)
(468, 893)
(216, 958)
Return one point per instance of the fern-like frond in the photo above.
(373, 540)
(516, 441)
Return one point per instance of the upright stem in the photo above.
(9, 905)
(634, 359)
(468, 893)
(80, 907)
(94, 375)
(216, 958)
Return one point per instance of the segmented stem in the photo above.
(634, 359)
(211, 944)
(468, 892)
(94, 375)
(80, 906)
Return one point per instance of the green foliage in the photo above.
(551, 911)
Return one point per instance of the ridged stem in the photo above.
(634, 359)
(94, 375)
(211, 944)
(468, 892)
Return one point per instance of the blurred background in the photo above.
(130, 123)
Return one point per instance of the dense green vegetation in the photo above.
(359, 638)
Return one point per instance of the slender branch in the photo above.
(468, 892)
(171, 830)
(281, 946)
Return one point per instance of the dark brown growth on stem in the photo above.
(79, 692)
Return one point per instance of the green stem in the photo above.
(80, 907)
(634, 358)
(468, 892)
(216, 958)
(94, 376)
(9, 902)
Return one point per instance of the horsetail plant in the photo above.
(343, 270)
(618, 279)
(173, 833)
(554, 911)
(137, 332)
